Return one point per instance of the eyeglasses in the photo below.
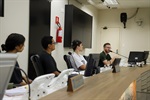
(54, 43)
(108, 47)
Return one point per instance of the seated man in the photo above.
(47, 61)
(78, 58)
(105, 58)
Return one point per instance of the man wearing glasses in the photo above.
(48, 62)
(105, 58)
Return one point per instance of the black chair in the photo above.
(68, 62)
(37, 65)
(86, 57)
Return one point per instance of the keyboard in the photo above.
(143, 86)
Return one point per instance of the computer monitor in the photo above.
(116, 62)
(91, 67)
(96, 57)
(115, 65)
(135, 56)
(146, 54)
(7, 63)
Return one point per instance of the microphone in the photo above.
(25, 81)
(74, 62)
(110, 51)
(118, 54)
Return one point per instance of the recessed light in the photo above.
(110, 2)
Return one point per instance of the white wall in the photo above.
(57, 9)
(16, 19)
(134, 37)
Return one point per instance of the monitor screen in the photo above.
(116, 62)
(136, 56)
(7, 63)
(92, 65)
(78, 26)
(146, 54)
(2, 8)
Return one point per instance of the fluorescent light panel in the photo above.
(110, 2)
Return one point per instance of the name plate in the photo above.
(116, 69)
(75, 82)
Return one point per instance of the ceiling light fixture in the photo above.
(110, 2)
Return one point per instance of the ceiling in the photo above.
(123, 4)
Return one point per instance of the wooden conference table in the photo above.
(103, 86)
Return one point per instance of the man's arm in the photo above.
(82, 67)
(108, 62)
(79, 63)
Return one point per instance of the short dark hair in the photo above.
(106, 44)
(13, 40)
(75, 43)
(46, 40)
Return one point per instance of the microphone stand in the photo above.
(27, 82)
(119, 54)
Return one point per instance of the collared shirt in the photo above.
(103, 57)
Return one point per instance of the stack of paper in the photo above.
(16, 91)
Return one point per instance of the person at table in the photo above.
(105, 58)
(48, 62)
(78, 58)
(15, 44)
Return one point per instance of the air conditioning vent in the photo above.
(85, 2)
(88, 2)
(98, 1)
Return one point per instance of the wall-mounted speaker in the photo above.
(123, 17)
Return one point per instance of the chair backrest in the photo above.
(67, 60)
(86, 57)
(37, 65)
(70, 62)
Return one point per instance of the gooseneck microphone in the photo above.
(118, 54)
(74, 62)
(25, 81)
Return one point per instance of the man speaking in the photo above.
(105, 58)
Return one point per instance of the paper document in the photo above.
(16, 91)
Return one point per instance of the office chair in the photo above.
(86, 57)
(37, 65)
(68, 62)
